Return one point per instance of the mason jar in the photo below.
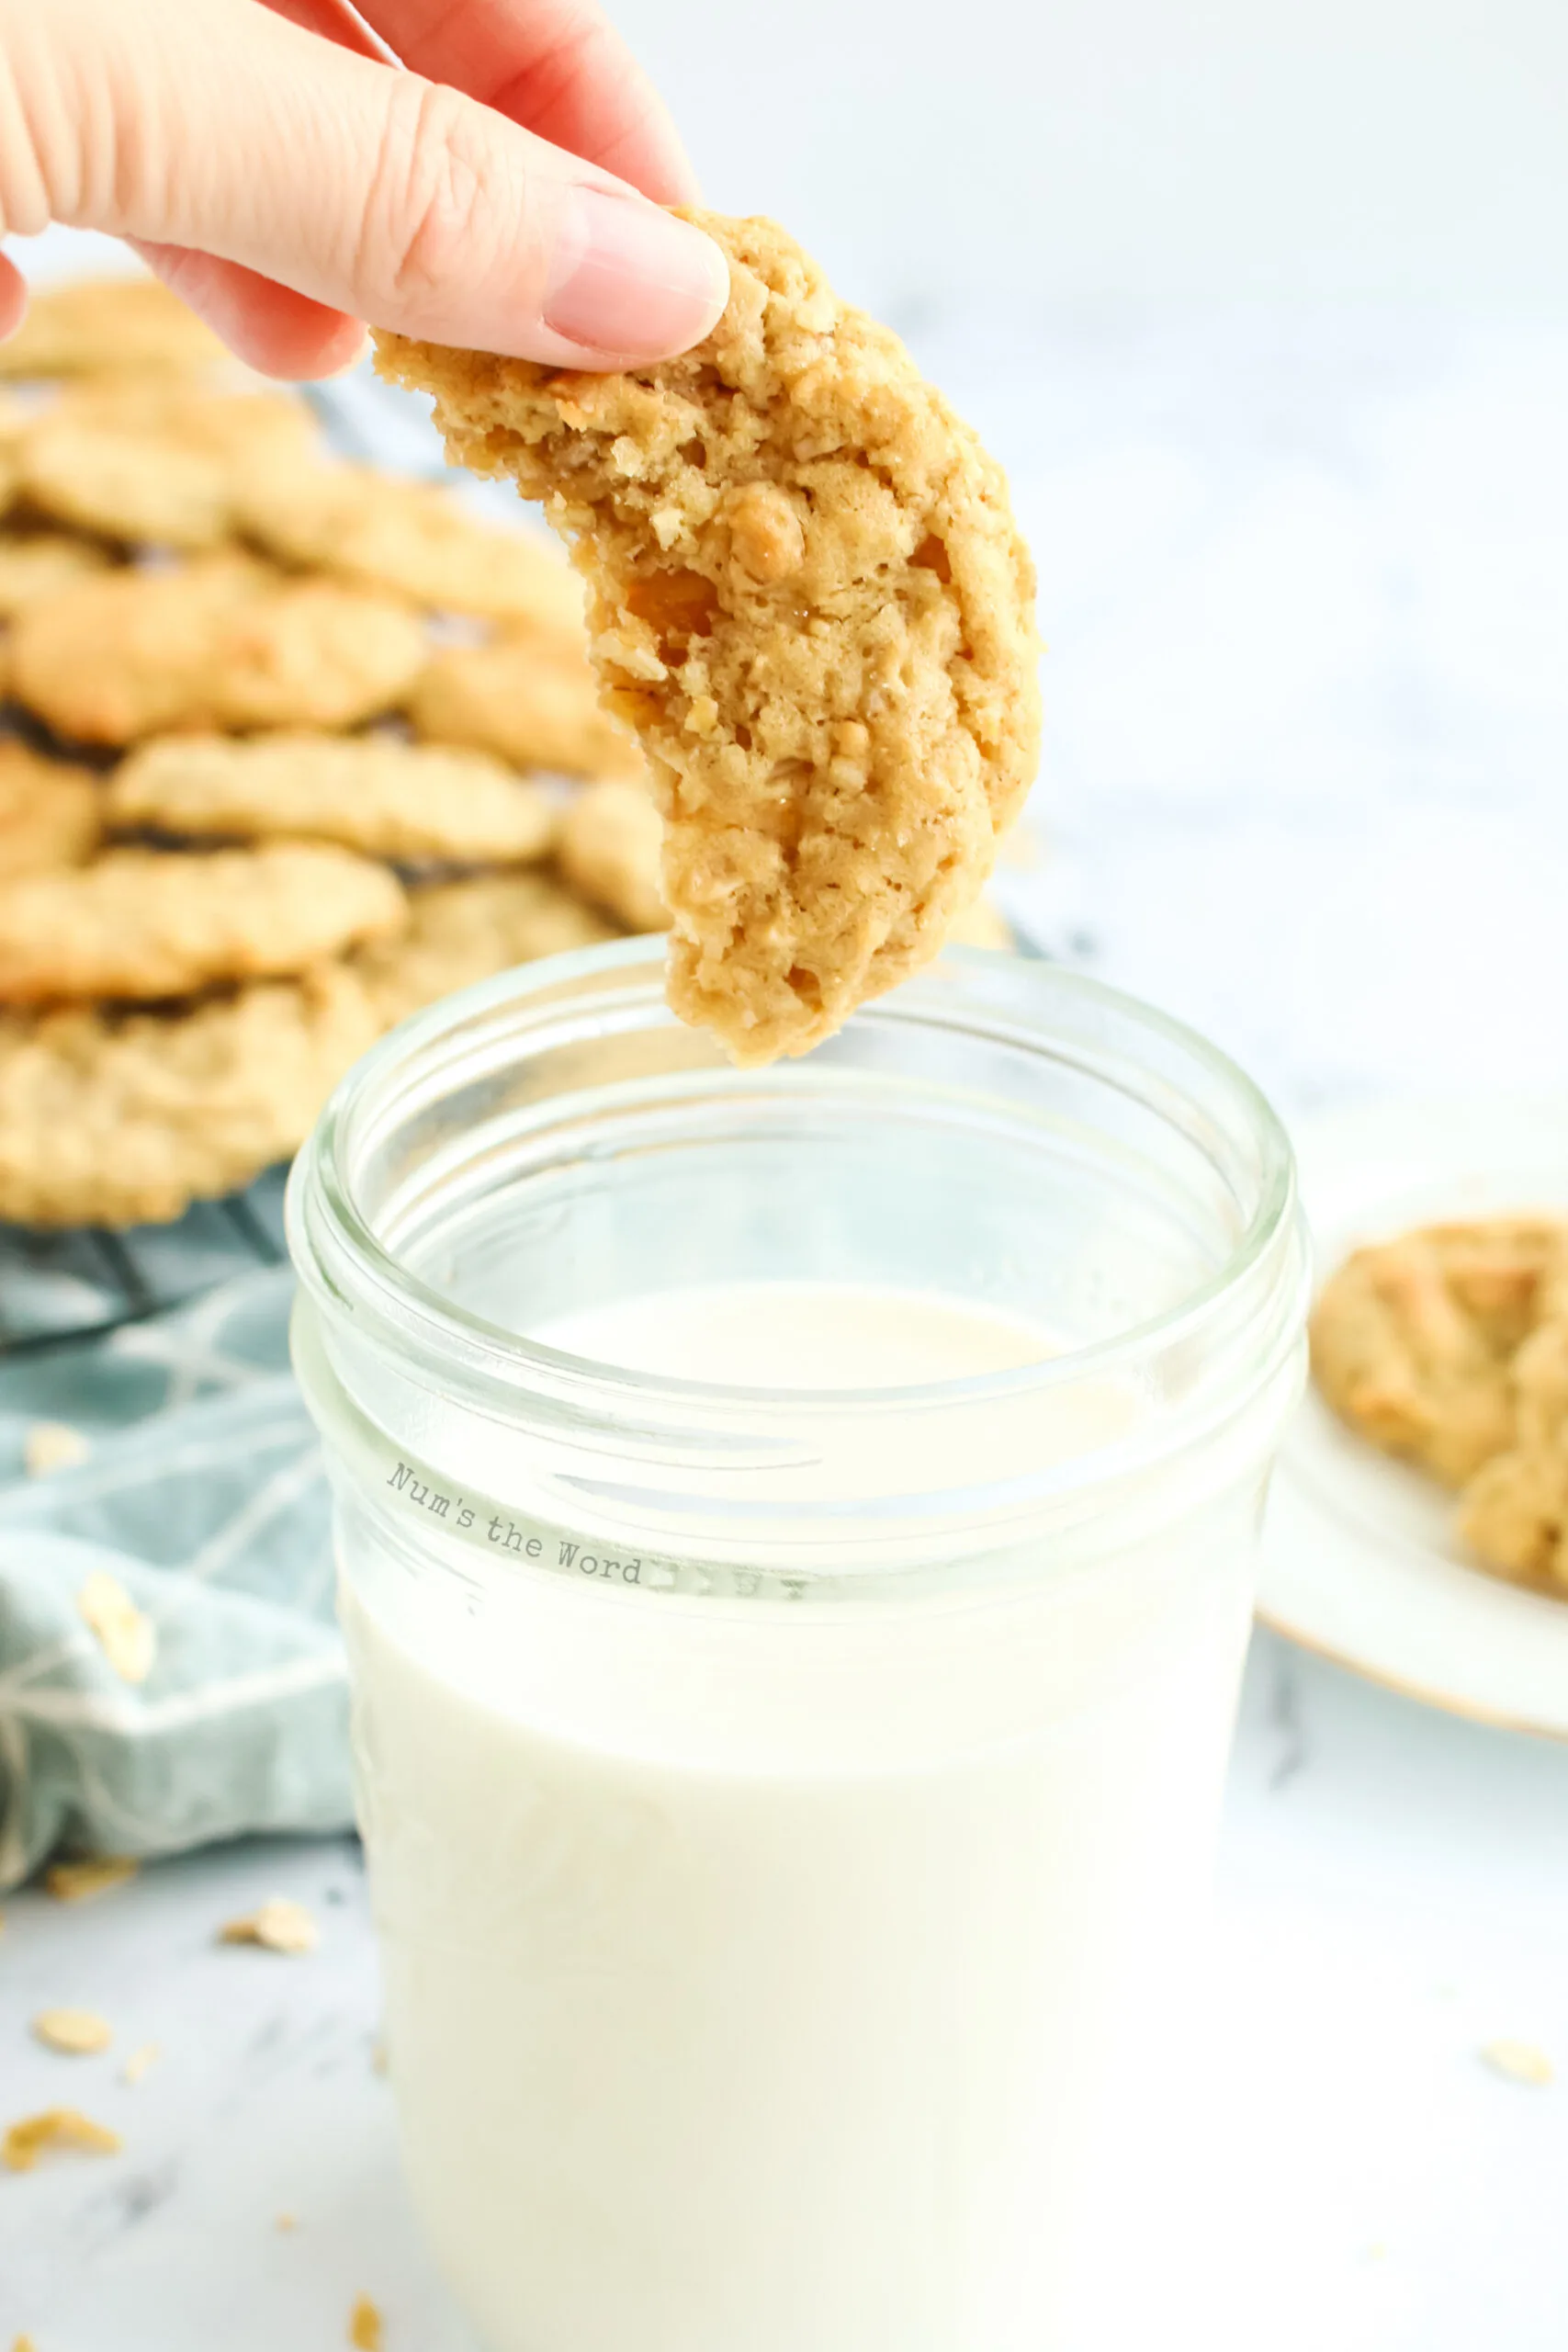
(795, 1532)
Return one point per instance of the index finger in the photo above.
(556, 67)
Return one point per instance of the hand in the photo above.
(291, 178)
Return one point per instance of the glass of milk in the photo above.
(795, 1532)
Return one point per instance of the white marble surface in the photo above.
(1306, 784)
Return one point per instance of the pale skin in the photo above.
(481, 173)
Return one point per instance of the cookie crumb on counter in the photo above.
(1520, 2062)
(52, 1445)
(140, 2063)
(278, 1925)
(125, 1634)
(285, 2223)
(365, 2327)
(76, 2033)
(57, 2127)
(94, 1874)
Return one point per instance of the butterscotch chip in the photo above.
(75, 2033)
(51, 814)
(47, 1446)
(154, 923)
(611, 838)
(117, 1119)
(166, 468)
(111, 326)
(1412, 1340)
(365, 2331)
(96, 1874)
(40, 565)
(464, 932)
(278, 1925)
(127, 1637)
(411, 536)
(1520, 2062)
(224, 642)
(140, 2063)
(810, 600)
(527, 697)
(57, 2127)
(371, 793)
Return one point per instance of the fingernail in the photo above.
(630, 282)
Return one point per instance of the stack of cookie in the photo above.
(296, 747)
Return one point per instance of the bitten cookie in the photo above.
(530, 698)
(810, 600)
(372, 793)
(224, 642)
(117, 1118)
(51, 814)
(148, 924)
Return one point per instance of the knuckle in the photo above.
(430, 210)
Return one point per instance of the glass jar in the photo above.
(789, 1798)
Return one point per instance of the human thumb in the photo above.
(217, 125)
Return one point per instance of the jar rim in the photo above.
(343, 1263)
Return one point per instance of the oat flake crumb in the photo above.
(126, 1635)
(1520, 2062)
(51, 1445)
(140, 2063)
(285, 2222)
(279, 1925)
(75, 2033)
(24, 2344)
(364, 2325)
(79, 1882)
(57, 2127)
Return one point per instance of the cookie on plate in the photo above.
(528, 698)
(111, 326)
(610, 842)
(462, 932)
(810, 600)
(373, 793)
(222, 642)
(51, 814)
(411, 536)
(151, 923)
(1412, 1340)
(116, 1118)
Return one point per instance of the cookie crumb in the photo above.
(285, 2222)
(278, 1925)
(365, 2327)
(76, 2033)
(57, 2127)
(80, 1881)
(127, 1637)
(52, 1445)
(378, 2057)
(1520, 2062)
(24, 2344)
(140, 2063)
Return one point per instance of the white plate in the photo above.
(1361, 1560)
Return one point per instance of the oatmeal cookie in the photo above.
(373, 793)
(411, 536)
(151, 923)
(50, 814)
(40, 564)
(810, 600)
(529, 699)
(1514, 1510)
(165, 469)
(117, 1119)
(609, 852)
(221, 642)
(1412, 1340)
(111, 326)
(463, 932)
